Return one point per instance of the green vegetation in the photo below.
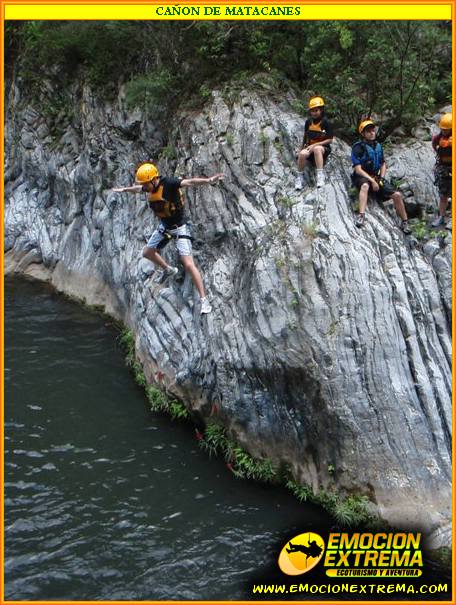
(423, 231)
(285, 201)
(264, 139)
(309, 229)
(350, 511)
(396, 69)
(443, 557)
(229, 138)
(215, 441)
(169, 152)
(159, 401)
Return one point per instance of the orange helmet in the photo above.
(446, 121)
(146, 172)
(364, 124)
(316, 102)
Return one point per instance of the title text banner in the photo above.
(216, 11)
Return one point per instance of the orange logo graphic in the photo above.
(301, 553)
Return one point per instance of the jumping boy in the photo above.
(167, 202)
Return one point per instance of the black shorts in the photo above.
(443, 179)
(383, 194)
(327, 151)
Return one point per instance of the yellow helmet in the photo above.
(446, 121)
(316, 102)
(364, 124)
(146, 172)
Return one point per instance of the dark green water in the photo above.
(104, 499)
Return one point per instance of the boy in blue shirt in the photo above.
(369, 170)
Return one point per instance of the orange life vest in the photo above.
(165, 208)
(444, 148)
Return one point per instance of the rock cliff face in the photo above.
(328, 347)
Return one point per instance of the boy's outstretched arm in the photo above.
(211, 180)
(131, 189)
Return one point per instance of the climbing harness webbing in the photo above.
(167, 237)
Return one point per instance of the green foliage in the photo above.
(294, 299)
(285, 201)
(309, 229)
(246, 467)
(264, 139)
(301, 492)
(65, 46)
(152, 92)
(279, 145)
(205, 92)
(160, 402)
(177, 410)
(169, 152)
(351, 511)
(423, 231)
(157, 398)
(242, 464)
(443, 556)
(127, 341)
(394, 69)
(419, 229)
(229, 138)
(215, 440)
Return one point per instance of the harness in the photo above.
(169, 236)
(372, 158)
(315, 133)
(444, 148)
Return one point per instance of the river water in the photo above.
(105, 499)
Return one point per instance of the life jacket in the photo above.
(315, 133)
(372, 158)
(443, 149)
(164, 208)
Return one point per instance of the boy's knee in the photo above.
(187, 261)
(364, 187)
(149, 252)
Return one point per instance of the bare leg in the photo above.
(192, 270)
(443, 204)
(302, 159)
(318, 155)
(153, 255)
(363, 193)
(399, 205)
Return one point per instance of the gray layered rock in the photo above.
(328, 347)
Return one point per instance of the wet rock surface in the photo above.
(328, 348)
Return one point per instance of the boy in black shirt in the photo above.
(167, 202)
(316, 144)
